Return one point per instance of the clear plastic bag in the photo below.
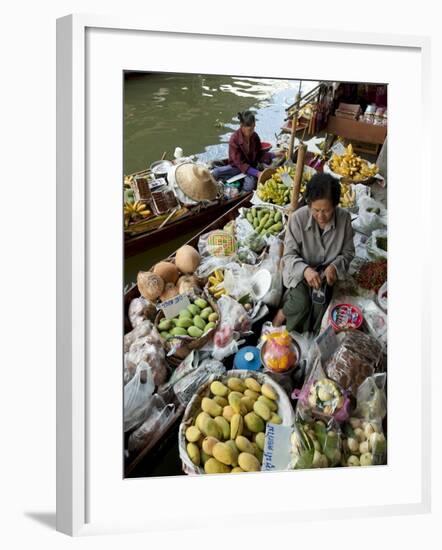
(187, 385)
(364, 443)
(217, 243)
(158, 419)
(144, 349)
(372, 215)
(137, 397)
(382, 297)
(271, 262)
(316, 444)
(141, 309)
(357, 357)
(371, 401)
(238, 280)
(376, 321)
(377, 245)
(278, 352)
(144, 328)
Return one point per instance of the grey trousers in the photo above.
(302, 314)
(223, 173)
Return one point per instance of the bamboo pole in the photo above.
(293, 132)
(298, 176)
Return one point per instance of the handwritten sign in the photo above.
(172, 307)
(276, 455)
(327, 343)
(338, 148)
(287, 179)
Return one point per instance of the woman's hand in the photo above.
(330, 274)
(312, 277)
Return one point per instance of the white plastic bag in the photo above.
(372, 215)
(376, 244)
(137, 396)
(272, 262)
(158, 418)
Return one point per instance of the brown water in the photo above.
(197, 113)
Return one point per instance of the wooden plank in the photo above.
(353, 129)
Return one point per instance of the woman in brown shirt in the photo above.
(318, 249)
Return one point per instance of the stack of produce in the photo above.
(314, 445)
(348, 195)
(196, 320)
(135, 211)
(274, 192)
(227, 432)
(216, 287)
(351, 166)
(265, 221)
(364, 443)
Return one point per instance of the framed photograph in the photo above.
(147, 195)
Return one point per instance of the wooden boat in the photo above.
(154, 452)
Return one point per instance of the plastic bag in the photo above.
(186, 386)
(144, 349)
(272, 263)
(372, 215)
(141, 309)
(145, 328)
(321, 397)
(376, 321)
(371, 401)
(382, 297)
(137, 397)
(377, 245)
(279, 354)
(247, 256)
(217, 243)
(238, 280)
(315, 444)
(158, 420)
(364, 443)
(357, 357)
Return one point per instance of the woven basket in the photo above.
(285, 411)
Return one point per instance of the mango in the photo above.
(194, 453)
(218, 388)
(235, 451)
(179, 331)
(165, 324)
(222, 401)
(252, 394)
(259, 455)
(206, 312)
(236, 426)
(275, 419)
(193, 309)
(193, 434)
(195, 332)
(199, 302)
(249, 462)
(185, 314)
(248, 403)
(223, 453)
(236, 384)
(199, 322)
(166, 335)
(253, 384)
(199, 419)
(211, 407)
(204, 456)
(269, 402)
(209, 326)
(234, 399)
(224, 426)
(236, 470)
(262, 410)
(184, 323)
(213, 466)
(260, 440)
(228, 412)
(254, 423)
(244, 445)
(208, 444)
(210, 428)
(268, 391)
(213, 317)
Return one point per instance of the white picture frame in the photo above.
(92, 51)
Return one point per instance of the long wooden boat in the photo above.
(153, 453)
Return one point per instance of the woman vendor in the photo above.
(245, 153)
(318, 249)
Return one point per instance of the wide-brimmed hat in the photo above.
(196, 182)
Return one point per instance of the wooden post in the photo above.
(294, 125)
(298, 176)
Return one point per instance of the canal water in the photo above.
(197, 113)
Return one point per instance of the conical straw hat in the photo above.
(196, 182)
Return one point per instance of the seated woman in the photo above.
(318, 249)
(244, 153)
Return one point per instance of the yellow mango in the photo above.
(222, 401)
(210, 428)
(235, 402)
(213, 466)
(268, 391)
(253, 385)
(223, 453)
(194, 453)
(254, 423)
(208, 444)
(211, 407)
(193, 434)
(218, 388)
(236, 384)
(250, 393)
(236, 470)
(199, 419)
(224, 426)
(248, 403)
(262, 410)
(249, 462)
(272, 405)
(260, 439)
(275, 419)
(235, 451)
(244, 445)
(236, 426)
(228, 412)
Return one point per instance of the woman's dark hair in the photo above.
(323, 186)
(246, 118)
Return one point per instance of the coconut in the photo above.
(170, 291)
(167, 271)
(187, 259)
(187, 283)
(150, 285)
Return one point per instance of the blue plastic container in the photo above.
(247, 358)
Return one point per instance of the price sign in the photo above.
(172, 307)
(338, 148)
(276, 455)
(287, 179)
(327, 343)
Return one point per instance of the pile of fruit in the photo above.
(351, 166)
(265, 221)
(228, 433)
(194, 321)
(275, 191)
(314, 446)
(325, 396)
(364, 444)
(216, 287)
(348, 195)
(134, 212)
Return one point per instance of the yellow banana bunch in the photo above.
(352, 166)
(348, 196)
(135, 212)
(216, 287)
